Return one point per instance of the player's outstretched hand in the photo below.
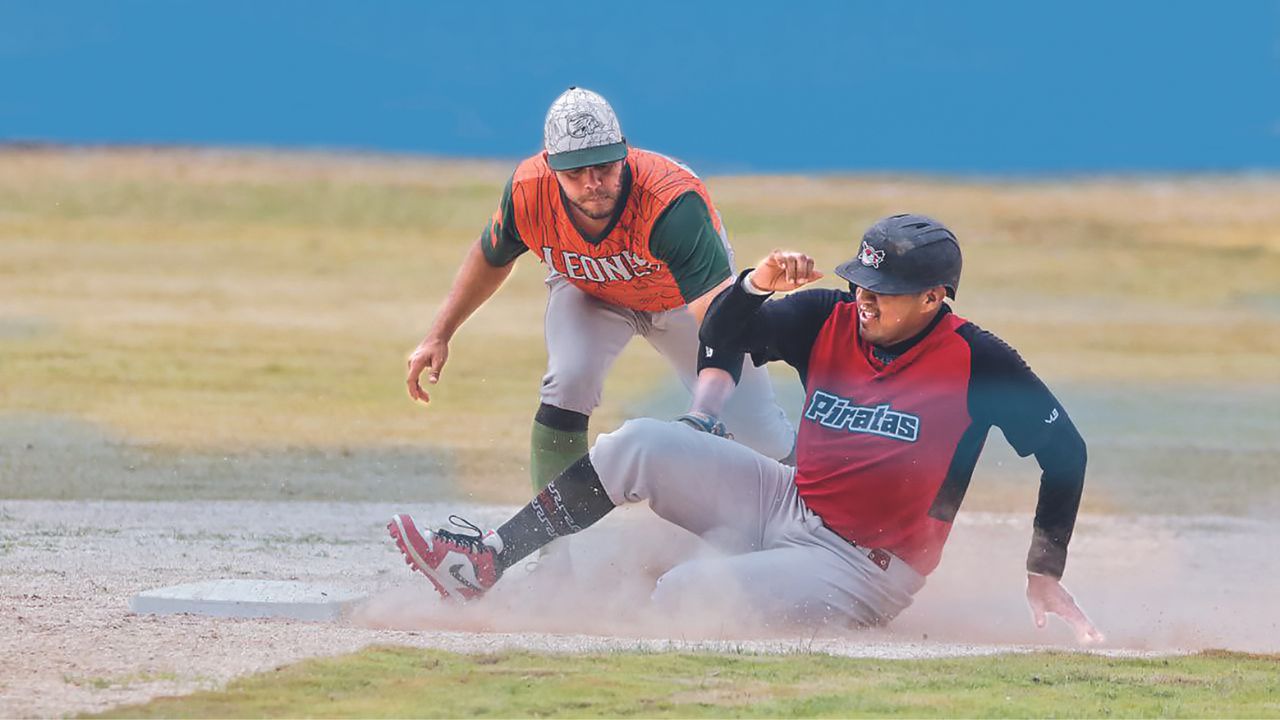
(783, 271)
(430, 355)
(1047, 595)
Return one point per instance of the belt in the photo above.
(880, 557)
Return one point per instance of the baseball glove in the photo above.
(703, 422)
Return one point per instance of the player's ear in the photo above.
(933, 297)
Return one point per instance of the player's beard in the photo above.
(597, 213)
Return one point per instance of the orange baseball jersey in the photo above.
(663, 248)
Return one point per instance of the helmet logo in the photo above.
(870, 256)
(583, 124)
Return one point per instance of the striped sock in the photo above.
(571, 503)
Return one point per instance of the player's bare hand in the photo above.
(429, 356)
(783, 271)
(1047, 595)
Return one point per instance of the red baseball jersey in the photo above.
(889, 437)
(876, 440)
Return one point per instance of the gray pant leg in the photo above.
(754, 417)
(752, 413)
(788, 567)
(708, 485)
(806, 578)
(584, 337)
(779, 588)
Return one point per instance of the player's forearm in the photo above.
(1061, 485)
(475, 283)
(727, 324)
(712, 391)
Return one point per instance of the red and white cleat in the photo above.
(459, 565)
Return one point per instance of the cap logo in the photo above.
(580, 125)
(870, 256)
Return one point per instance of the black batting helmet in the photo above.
(905, 254)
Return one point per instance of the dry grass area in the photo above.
(182, 320)
(183, 325)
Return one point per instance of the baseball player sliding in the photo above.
(900, 394)
(633, 246)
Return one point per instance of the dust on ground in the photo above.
(69, 568)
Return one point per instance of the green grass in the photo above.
(401, 682)
(120, 681)
(210, 325)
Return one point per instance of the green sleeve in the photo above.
(686, 239)
(500, 240)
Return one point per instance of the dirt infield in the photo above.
(1154, 584)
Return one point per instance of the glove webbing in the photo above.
(703, 422)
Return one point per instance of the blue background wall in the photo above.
(974, 87)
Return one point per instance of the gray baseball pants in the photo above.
(782, 561)
(585, 335)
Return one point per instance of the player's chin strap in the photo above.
(703, 422)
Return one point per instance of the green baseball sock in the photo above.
(559, 438)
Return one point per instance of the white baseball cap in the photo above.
(582, 130)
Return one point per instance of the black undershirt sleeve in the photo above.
(739, 322)
(1004, 392)
(1062, 460)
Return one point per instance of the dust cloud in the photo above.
(1150, 583)
(597, 582)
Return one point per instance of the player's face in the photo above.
(594, 189)
(888, 319)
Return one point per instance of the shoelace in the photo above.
(472, 542)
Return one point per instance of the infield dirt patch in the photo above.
(1153, 584)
